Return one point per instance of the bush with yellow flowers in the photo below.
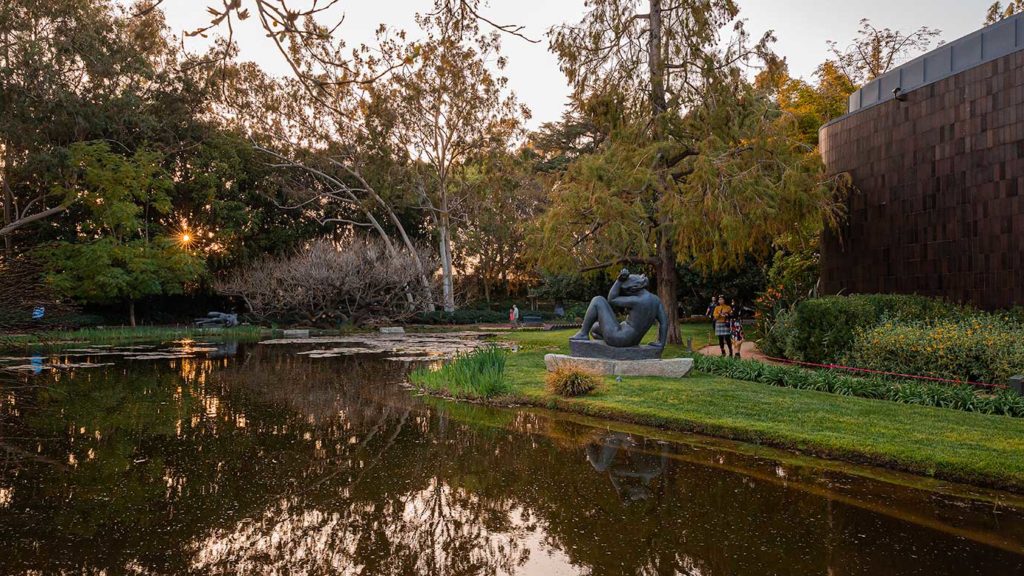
(979, 347)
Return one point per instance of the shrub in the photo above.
(571, 381)
(981, 348)
(359, 280)
(824, 329)
(475, 375)
(966, 398)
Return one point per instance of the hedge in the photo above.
(966, 398)
(824, 329)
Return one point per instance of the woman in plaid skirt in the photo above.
(723, 325)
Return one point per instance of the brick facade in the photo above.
(939, 205)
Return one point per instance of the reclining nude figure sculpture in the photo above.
(630, 292)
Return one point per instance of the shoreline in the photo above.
(941, 444)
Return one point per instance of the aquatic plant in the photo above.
(474, 375)
(572, 380)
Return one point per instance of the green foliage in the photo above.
(966, 398)
(980, 348)
(106, 271)
(116, 190)
(116, 260)
(824, 329)
(476, 375)
(791, 278)
(572, 381)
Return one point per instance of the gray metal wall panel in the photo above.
(967, 53)
(995, 41)
(938, 64)
(1000, 39)
(912, 75)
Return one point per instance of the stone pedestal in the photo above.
(673, 368)
(600, 349)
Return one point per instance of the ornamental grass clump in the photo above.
(571, 381)
(475, 375)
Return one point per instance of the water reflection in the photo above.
(255, 460)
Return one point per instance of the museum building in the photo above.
(935, 151)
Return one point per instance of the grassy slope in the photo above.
(948, 444)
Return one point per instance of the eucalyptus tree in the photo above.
(443, 109)
(698, 167)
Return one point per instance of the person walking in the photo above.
(513, 316)
(723, 325)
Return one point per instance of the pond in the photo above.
(299, 458)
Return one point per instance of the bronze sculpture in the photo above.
(630, 292)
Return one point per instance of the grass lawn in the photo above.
(947, 444)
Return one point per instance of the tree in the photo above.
(118, 256)
(811, 105)
(69, 71)
(875, 51)
(997, 12)
(699, 166)
(491, 241)
(444, 108)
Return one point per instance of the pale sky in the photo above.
(802, 28)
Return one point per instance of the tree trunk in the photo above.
(447, 285)
(668, 284)
(667, 279)
(131, 312)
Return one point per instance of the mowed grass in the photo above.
(947, 444)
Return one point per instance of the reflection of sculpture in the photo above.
(629, 292)
(630, 471)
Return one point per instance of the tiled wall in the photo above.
(939, 208)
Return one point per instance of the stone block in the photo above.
(392, 330)
(672, 368)
(600, 349)
(296, 333)
(1017, 384)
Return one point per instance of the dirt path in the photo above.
(748, 351)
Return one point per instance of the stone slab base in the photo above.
(392, 330)
(600, 349)
(673, 368)
(296, 333)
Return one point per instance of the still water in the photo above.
(256, 459)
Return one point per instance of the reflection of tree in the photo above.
(276, 462)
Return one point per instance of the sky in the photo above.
(801, 26)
